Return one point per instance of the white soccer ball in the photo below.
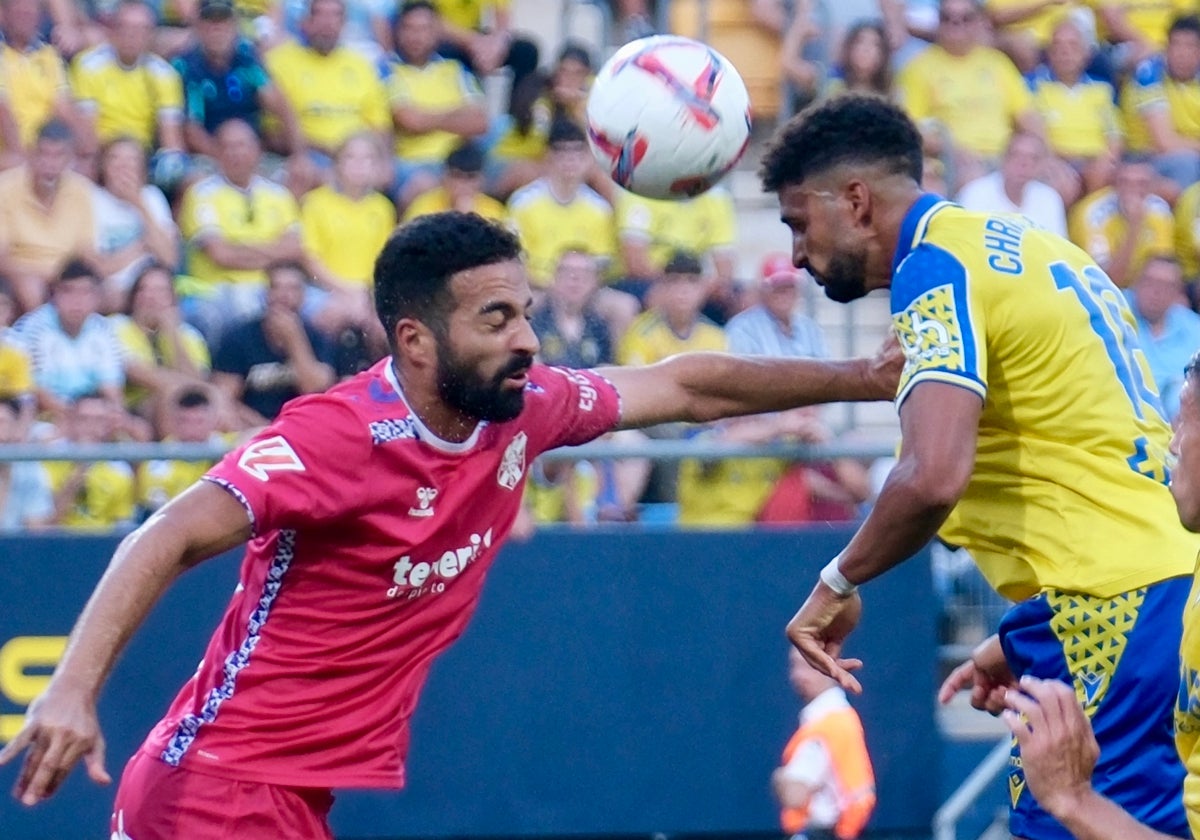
(668, 117)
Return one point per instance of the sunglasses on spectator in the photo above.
(961, 20)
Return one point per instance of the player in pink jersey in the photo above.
(373, 513)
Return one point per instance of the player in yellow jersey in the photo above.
(1057, 743)
(1032, 436)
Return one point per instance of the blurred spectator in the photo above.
(190, 418)
(1082, 121)
(1161, 104)
(334, 91)
(634, 19)
(161, 353)
(864, 63)
(804, 58)
(558, 210)
(1014, 188)
(26, 503)
(966, 93)
(1138, 28)
(776, 325)
(537, 105)
(124, 90)
(35, 79)
(343, 227)
(16, 371)
(1168, 332)
(73, 347)
(1187, 231)
(262, 363)
(571, 332)
(90, 496)
(235, 223)
(479, 34)
(45, 216)
(1120, 226)
(436, 104)
(133, 221)
(649, 232)
(1023, 27)
(461, 188)
(825, 784)
(223, 79)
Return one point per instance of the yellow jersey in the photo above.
(160, 481)
(1187, 231)
(1081, 119)
(334, 96)
(16, 371)
(157, 350)
(1187, 711)
(126, 101)
(976, 97)
(698, 225)
(1152, 88)
(35, 80)
(548, 227)
(214, 207)
(1069, 489)
(345, 234)
(513, 145)
(1097, 226)
(650, 339)
(438, 201)
(443, 84)
(105, 499)
(727, 493)
(468, 14)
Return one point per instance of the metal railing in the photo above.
(946, 818)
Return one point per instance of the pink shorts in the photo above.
(158, 802)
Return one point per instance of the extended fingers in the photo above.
(959, 678)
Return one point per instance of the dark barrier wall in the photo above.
(611, 683)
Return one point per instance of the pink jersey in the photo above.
(371, 541)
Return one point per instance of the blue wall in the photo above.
(612, 682)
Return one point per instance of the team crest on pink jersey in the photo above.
(512, 464)
(273, 454)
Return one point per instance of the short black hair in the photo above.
(1191, 371)
(683, 262)
(564, 131)
(192, 398)
(575, 51)
(1185, 23)
(411, 6)
(852, 129)
(75, 268)
(55, 131)
(412, 273)
(467, 158)
(13, 404)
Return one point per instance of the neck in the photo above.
(563, 189)
(355, 192)
(894, 198)
(1158, 325)
(242, 183)
(682, 327)
(218, 61)
(447, 423)
(17, 42)
(1068, 79)
(45, 190)
(1014, 190)
(566, 310)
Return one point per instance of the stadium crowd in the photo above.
(192, 195)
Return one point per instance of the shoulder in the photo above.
(95, 59)
(528, 195)
(270, 189)
(1157, 205)
(158, 66)
(927, 270)
(593, 199)
(207, 188)
(319, 197)
(1098, 208)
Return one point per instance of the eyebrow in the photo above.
(503, 307)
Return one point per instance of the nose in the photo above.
(525, 340)
(799, 251)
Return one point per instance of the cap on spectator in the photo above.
(216, 9)
(683, 263)
(467, 159)
(777, 270)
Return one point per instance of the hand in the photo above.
(125, 186)
(60, 728)
(68, 38)
(1058, 748)
(883, 369)
(988, 675)
(819, 629)
(283, 328)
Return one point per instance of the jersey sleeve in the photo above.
(580, 405)
(939, 325)
(307, 468)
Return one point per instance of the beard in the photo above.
(846, 278)
(464, 389)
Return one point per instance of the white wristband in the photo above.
(832, 577)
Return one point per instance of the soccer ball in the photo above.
(667, 117)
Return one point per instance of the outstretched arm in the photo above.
(61, 726)
(700, 387)
(1058, 754)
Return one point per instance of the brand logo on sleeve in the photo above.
(512, 464)
(273, 454)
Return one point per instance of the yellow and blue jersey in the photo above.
(1152, 88)
(1187, 709)
(1069, 489)
(126, 100)
(1081, 119)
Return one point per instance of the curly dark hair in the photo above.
(853, 129)
(412, 273)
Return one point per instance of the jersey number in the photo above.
(1102, 302)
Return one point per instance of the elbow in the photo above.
(936, 487)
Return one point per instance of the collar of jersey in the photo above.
(423, 432)
(912, 229)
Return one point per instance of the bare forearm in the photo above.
(1099, 818)
(1119, 265)
(468, 121)
(159, 240)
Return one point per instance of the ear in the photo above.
(416, 343)
(858, 196)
